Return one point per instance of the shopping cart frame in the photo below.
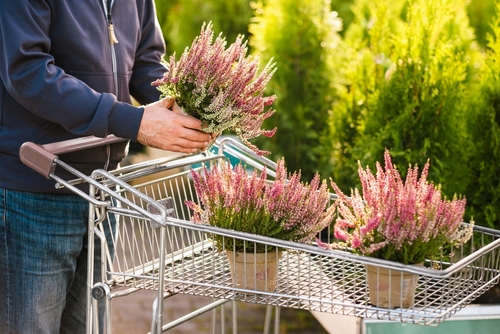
(44, 159)
(457, 282)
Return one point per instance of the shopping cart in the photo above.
(156, 247)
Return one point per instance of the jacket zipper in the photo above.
(108, 6)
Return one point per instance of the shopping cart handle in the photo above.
(41, 157)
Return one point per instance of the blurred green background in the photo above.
(420, 78)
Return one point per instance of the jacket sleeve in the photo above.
(147, 65)
(31, 76)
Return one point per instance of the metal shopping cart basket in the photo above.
(156, 247)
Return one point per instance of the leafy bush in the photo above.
(406, 90)
(481, 13)
(367, 44)
(300, 38)
(181, 20)
(484, 125)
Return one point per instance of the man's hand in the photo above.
(171, 130)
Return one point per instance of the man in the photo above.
(68, 69)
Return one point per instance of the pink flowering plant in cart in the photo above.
(221, 86)
(406, 222)
(284, 208)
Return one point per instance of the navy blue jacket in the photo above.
(62, 78)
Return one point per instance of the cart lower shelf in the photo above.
(311, 282)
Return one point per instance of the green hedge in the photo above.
(181, 20)
(301, 38)
(483, 194)
(406, 90)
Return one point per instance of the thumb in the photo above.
(167, 102)
(177, 109)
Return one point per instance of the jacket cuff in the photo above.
(124, 120)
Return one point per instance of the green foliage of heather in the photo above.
(483, 195)
(406, 89)
(300, 35)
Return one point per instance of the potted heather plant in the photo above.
(285, 209)
(407, 222)
(220, 86)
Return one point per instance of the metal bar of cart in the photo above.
(194, 314)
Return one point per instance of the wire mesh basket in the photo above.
(149, 242)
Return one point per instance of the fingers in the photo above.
(175, 108)
(167, 102)
(192, 123)
(178, 110)
(197, 125)
(167, 130)
(191, 138)
(189, 147)
(172, 129)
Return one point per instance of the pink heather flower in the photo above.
(402, 221)
(221, 86)
(283, 208)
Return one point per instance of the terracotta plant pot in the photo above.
(391, 288)
(254, 271)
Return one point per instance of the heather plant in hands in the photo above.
(406, 222)
(221, 86)
(285, 208)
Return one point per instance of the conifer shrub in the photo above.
(481, 14)
(181, 20)
(300, 38)
(483, 193)
(406, 89)
(366, 46)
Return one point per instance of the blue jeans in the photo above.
(43, 263)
